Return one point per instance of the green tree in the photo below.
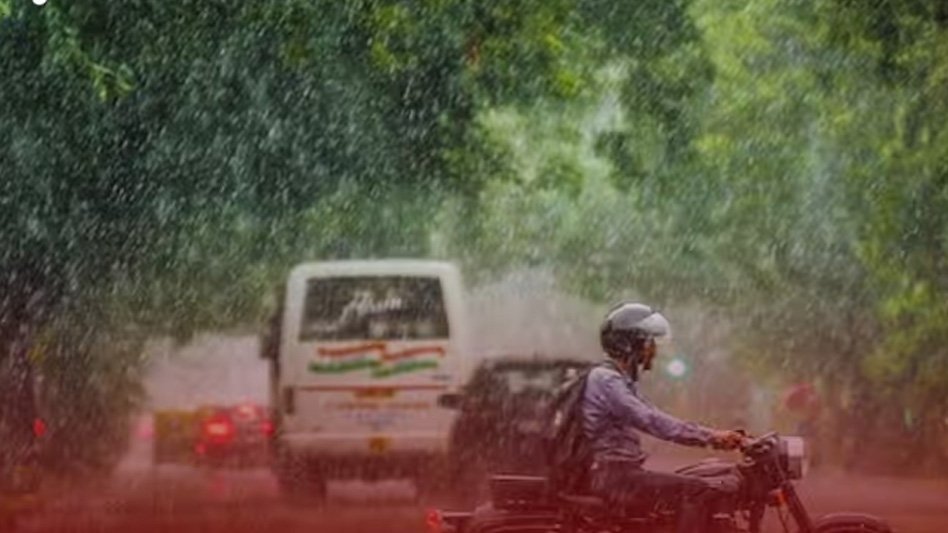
(164, 164)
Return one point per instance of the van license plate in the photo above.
(379, 444)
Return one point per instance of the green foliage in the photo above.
(166, 164)
(780, 162)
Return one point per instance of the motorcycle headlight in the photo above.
(793, 452)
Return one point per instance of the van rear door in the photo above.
(372, 354)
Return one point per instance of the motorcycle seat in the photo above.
(516, 491)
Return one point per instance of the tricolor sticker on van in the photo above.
(376, 357)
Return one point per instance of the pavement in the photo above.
(180, 499)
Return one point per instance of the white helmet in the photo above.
(627, 326)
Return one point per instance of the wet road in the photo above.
(179, 499)
(908, 505)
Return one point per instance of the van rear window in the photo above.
(374, 307)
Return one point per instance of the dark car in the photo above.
(502, 413)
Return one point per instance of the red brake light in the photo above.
(219, 429)
(247, 411)
(267, 427)
(39, 427)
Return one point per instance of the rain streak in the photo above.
(385, 266)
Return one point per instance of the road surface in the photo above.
(181, 499)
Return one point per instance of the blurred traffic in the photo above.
(371, 378)
(218, 436)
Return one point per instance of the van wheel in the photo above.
(427, 486)
(307, 487)
(300, 481)
(431, 479)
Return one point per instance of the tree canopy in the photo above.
(780, 162)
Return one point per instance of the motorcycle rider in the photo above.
(615, 412)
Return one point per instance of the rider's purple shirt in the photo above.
(614, 412)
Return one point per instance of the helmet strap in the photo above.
(630, 365)
(634, 371)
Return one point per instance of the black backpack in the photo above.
(568, 451)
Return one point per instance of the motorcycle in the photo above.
(764, 480)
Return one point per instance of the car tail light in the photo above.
(248, 412)
(267, 427)
(219, 429)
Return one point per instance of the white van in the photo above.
(366, 350)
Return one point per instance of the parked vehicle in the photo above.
(360, 352)
(174, 436)
(502, 412)
(770, 465)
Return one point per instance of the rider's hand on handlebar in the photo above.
(727, 440)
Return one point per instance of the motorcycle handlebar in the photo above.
(749, 441)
